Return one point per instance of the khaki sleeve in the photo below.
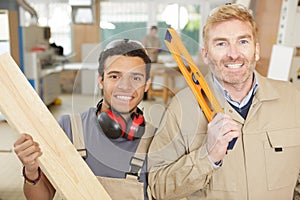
(297, 189)
(177, 168)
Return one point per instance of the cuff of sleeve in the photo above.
(203, 154)
(216, 165)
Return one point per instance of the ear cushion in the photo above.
(112, 124)
(135, 127)
(115, 126)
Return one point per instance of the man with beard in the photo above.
(189, 157)
(115, 135)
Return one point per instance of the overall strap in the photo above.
(77, 134)
(138, 158)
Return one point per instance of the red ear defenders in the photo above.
(115, 126)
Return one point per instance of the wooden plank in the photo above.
(26, 113)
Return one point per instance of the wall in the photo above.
(267, 18)
(86, 33)
(267, 13)
(13, 18)
(13, 37)
(9, 5)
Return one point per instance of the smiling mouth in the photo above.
(124, 98)
(234, 66)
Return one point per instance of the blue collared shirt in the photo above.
(227, 96)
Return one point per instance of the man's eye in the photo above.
(137, 78)
(221, 44)
(113, 76)
(244, 41)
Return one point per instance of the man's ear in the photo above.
(100, 81)
(204, 55)
(257, 52)
(148, 84)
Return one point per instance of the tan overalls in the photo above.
(118, 188)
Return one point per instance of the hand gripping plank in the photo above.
(26, 113)
(206, 99)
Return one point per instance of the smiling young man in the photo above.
(188, 157)
(115, 134)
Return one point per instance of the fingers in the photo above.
(221, 130)
(27, 151)
(22, 138)
(224, 122)
(231, 134)
(29, 154)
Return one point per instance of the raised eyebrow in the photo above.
(113, 72)
(247, 36)
(132, 73)
(219, 39)
(137, 74)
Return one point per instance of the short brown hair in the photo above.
(228, 12)
(125, 47)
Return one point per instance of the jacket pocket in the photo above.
(282, 158)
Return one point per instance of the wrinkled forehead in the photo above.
(230, 29)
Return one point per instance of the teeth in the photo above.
(126, 98)
(234, 66)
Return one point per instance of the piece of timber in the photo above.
(26, 113)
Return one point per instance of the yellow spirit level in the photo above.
(206, 99)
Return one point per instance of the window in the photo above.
(185, 18)
(58, 17)
(123, 20)
(82, 15)
(4, 33)
(132, 19)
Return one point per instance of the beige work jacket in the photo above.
(264, 163)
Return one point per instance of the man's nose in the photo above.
(233, 51)
(125, 83)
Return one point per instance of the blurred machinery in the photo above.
(285, 59)
(38, 62)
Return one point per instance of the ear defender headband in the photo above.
(115, 126)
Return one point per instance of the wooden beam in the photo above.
(26, 113)
(13, 18)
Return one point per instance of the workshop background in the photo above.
(56, 44)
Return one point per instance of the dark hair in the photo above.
(154, 27)
(124, 47)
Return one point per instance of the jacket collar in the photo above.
(265, 91)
